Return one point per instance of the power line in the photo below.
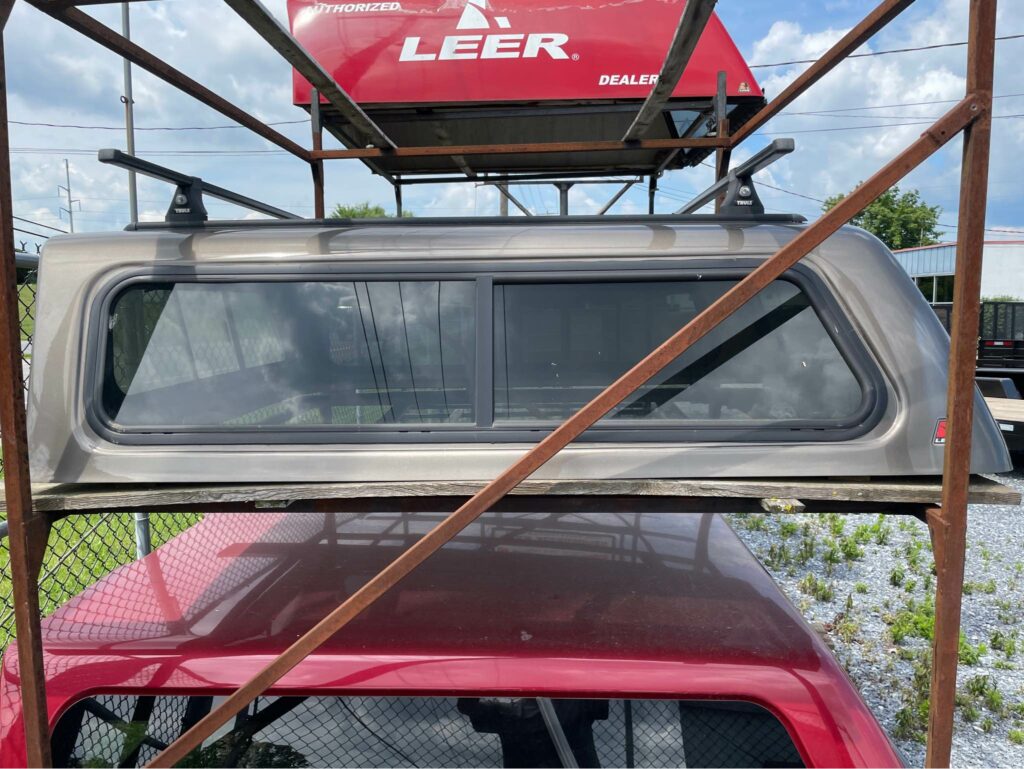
(894, 106)
(38, 224)
(148, 128)
(822, 202)
(293, 122)
(83, 151)
(929, 121)
(32, 234)
(880, 53)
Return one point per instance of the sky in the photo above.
(58, 78)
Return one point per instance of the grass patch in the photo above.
(988, 587)
(818, 588)
(26, 309)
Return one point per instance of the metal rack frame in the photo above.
(29, 527)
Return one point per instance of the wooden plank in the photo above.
(84, 497)
(775, 505)
(1007, 409)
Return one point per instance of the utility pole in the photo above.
(129, 118)
(67, 190)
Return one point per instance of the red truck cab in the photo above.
(625, 639)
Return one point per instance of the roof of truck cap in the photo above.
(647, 587)
(440, 240)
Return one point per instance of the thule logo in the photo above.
(507, 45)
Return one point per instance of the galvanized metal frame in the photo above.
(29, 528)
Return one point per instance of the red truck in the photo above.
(529, 640)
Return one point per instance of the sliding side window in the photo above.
(262, 355)
(557, 345)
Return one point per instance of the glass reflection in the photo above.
(291, 353)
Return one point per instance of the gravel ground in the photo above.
(868, 583)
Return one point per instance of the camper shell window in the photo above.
(499, 356)
(279, 354)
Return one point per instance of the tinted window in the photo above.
(944, 288)
(558, 345)
(429, 731)
(267, 354)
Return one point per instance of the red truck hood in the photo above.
(595, 605)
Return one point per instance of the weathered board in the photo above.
(1008, 409)
(64, 498)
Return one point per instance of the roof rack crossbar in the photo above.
(740, 196)
(187, 205)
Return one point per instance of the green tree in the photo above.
(900, 220)
(364, 210)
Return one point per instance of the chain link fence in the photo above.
(82, 548)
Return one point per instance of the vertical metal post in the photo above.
(317, 166)
(723, 155)
(28, 529)
(563, 197)
(652, 188)
(398, 197)
(143, 541)
(129, 117)
(71, 203)
(960, 398)
(628, 717)
(502, 201)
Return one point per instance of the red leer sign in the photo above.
(480, 51)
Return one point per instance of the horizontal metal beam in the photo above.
(281, 40)
(851, 41)
(522, 149)
(705, 321)
(694, 19)
(102, 34)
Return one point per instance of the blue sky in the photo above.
(58, 77)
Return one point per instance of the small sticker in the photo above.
(1006, 428)
(940, 433)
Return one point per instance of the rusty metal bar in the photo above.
(694, 19)
(935, 137)
(521, 149)
(28, 529)
(961, 388)
(282, 41)
(108, 38)
(851, 41)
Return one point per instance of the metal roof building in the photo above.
(932, 268)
